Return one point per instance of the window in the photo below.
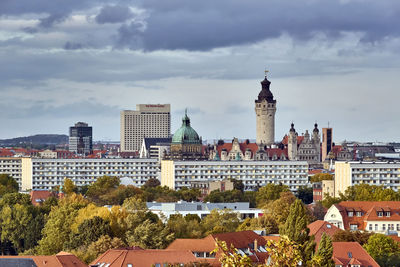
(380, 213)
(353, 227)
(383, 227)
(387, 213)
(350, 214)
(370, 226)
(376, 227)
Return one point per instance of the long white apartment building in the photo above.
(253, 174)
(13, 167)
(374, 173)
(151, 120)
(44, 174)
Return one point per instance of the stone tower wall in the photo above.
(265, 122)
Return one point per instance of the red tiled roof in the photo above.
(312, 172)
(240, 240)
(144, 258)
(318, 228)
(286, 138)
(345, 253)
(62, 259)
(38, 196)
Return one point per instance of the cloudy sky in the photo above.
(330, 61)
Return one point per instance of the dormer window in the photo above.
(358, 213)
(387, 213)
(350, 214)
(380, 213)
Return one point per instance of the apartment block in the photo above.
(373, 173)
(153, 120)
(13, 167)
(44, 174)
(253, 174)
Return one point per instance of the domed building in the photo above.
(186, 143)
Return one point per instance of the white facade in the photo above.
(165, 210)
(374, 173)
(153, 120)
(253, 174)
(13, 167)
(44, 174)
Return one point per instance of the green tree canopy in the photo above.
(305, 194)
(69, 187)
(220, 221)
(269, 193)
(319, 177)
(323, 257)
(351, 236)
(7, 184)
(383, 249)
(295, 228)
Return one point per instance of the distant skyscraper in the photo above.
(152, 120)
(327, 142)
(265, 111)
(80, 138)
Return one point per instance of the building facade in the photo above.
(253, 174)
(327, 142)
(265, 108)
(81, 139)
(166, 209)
(12, 167)
(352, 173)
(305, 148)
(152, 120)
(155, 148)
(373, 216)
(45, 174)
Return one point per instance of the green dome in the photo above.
(186, 134)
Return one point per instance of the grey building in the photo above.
(80, 138)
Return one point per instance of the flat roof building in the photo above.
(253, 174)
(151, 120)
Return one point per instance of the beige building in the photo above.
(148, 120)
(328, 187)
(351, 173)
(253, 174)
(265, 108)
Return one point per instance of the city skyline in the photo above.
(96, 58)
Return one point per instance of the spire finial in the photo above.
(185, 111)
(266, 72)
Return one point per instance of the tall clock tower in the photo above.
(265, 107)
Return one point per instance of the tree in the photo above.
(265, 222)
(305, 194)
(229, 196)
(184, 228)
(238, 185)
(319, 177)
(220, 221)
(230, 256)
(351, 236)
(102, 186)
(56, 231)
(269, 192)
(152, 182)
(189, 194)
(14, 222)
(279, 209)
(323, 257)
(95, 249)
(382, 248)
(283, 253)
(69, 187)
(89, 231)
(150, 235)
(295, 228)
(7, 184)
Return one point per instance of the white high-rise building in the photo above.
(148, 120)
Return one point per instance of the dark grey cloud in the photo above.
(72, 46)
(203, 25)
(114, 14)
(52, 19)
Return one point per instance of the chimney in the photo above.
(255, 245)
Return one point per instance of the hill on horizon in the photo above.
(38, 139)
